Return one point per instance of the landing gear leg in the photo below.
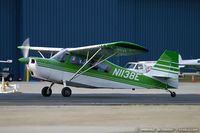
(47, 91)
(173, 94)
(66, 91)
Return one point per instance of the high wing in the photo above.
(116, 48)
(41, 49)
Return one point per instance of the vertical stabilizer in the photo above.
(167, 69)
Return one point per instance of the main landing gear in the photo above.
(66, 92)
(47, 91)
(173, 94)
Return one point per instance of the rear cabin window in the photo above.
(102, 67)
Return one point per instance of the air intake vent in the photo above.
(32, 61)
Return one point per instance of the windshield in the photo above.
(61, 56)
(130, 66)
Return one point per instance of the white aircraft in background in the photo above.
(190, 64)
(140, 66)
(5, 61)
(145, 66)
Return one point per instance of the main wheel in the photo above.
(46, 91)
(173, 94)
(66, 92)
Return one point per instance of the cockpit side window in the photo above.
(198, 61)
(64, 58)
(77, 60)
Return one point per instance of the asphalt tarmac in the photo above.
(187, 94)
(100, 110)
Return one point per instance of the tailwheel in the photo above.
(46, 91)
(66, 92)
(173, 94)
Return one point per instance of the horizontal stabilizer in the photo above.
(161, 76)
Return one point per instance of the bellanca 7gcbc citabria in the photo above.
(88, 67)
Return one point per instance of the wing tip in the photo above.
(133, 45)
(19, 47)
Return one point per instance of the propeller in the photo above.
(26, 44)
(25, 51)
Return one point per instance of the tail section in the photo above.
(167, 69)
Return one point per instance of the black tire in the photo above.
(173, 94)
(66, 92)
(46, 91)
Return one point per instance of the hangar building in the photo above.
(154, 24)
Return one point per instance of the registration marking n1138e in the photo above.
(125, 74)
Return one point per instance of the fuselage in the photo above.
(104, 75)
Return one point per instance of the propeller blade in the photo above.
(26, 43)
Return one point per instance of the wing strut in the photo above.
(85, 64)
(87, 55)
(41, 54)
(98, 62)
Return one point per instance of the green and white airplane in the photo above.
(88, 67)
